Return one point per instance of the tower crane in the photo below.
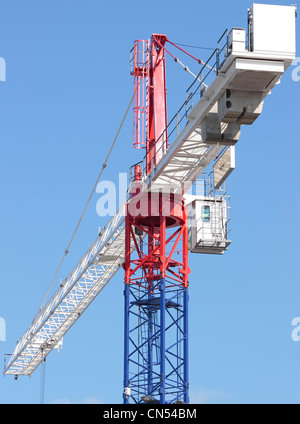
(163, 219)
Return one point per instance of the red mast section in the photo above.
(150, 101)
(157, 134)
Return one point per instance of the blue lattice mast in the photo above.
(156, 311)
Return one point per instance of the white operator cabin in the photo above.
(261, 54)
(208, 226)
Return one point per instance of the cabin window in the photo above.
(205, 213)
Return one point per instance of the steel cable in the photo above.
(87, 203)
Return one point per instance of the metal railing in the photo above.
(194, 92)
(210, 68)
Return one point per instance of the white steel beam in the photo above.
(72, 298)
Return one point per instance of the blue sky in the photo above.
(67, 88)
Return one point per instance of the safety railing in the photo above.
(195, 92)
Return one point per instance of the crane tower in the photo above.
(156, 281)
